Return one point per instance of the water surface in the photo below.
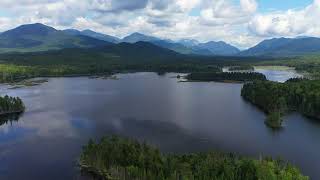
(278, 73)
(64, 113)
(273, 73)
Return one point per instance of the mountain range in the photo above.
(285, 47)
(39, 37)
(186, 46)
(93, 34)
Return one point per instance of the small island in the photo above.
(11, 105)
(277, 99)
(120, 158)
(226, 76)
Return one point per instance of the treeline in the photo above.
(241, 68)
(119, 158)
(276, 99)
(13, 73)
(226, 76)
(9, 105)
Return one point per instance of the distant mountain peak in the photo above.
(72, 31)
(93, 34)
(39, 37)
(135, 37)
(188, 42)
(89, 30)
(303, 37)
(219, 48)
(284, 47)
(30, 29)
(36, 26)
(137, 34)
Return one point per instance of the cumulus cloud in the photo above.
(222, 11)
(289, 23)
(249, 6)
(117, 5)
(237, 22)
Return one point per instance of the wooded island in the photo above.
(10, 105)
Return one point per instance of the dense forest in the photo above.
(226, 76)
(276, 99)
(120, 158)
(241, 68)
(107, 60)
(131, 58)
(13, 73)
(9, 105)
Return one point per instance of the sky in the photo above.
(242, 23)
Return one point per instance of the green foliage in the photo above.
(277, 99)
(242, 68)
(14, 73)
(118, 158)
(10, 105)
(226, 76)
(274, 120)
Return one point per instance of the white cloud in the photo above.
(187, 5)
(238, 23)
(289, 23)
(249, 6)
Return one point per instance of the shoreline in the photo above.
(11, 112)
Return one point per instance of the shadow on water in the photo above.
(10, 118)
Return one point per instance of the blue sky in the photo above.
(4, 13)
(271, 5)
(242, 23)
(267, 5)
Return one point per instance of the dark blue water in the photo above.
(64, 113)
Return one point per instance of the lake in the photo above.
(273, 73)
(64, 113)
(278, 73)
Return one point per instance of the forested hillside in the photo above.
(38, 37)
(118, 158)
(285, 47)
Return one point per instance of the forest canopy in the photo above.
(277, 99)
(120, 158)
(226, 76)
(9, 105)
